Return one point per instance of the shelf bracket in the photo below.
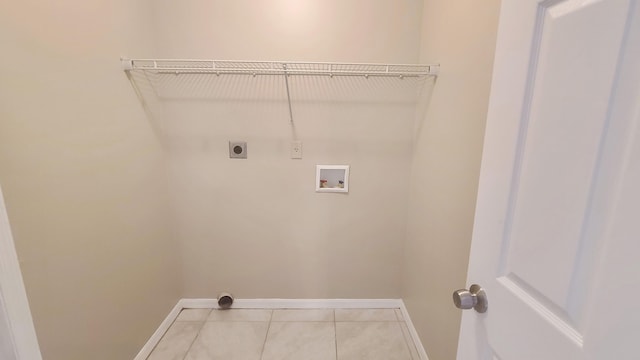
(286, 82)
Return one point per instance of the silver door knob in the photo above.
(474, 298)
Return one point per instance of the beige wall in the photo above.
(312, 30)
(256, 227)
(461, 36)
(83, 177)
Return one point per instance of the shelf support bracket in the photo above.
(286, 82)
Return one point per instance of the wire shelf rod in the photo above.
(199, 61)
(167, 66)
(291, 73)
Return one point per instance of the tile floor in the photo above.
(287, 334)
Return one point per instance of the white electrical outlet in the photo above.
(296, 149)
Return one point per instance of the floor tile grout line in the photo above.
(412, 344)
(408, 341)
(266, 335)
(196, 337)
(158, 343)
(395, 311)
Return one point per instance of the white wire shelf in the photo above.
(218, 67)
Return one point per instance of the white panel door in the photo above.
(556, 241)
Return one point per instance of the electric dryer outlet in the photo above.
(237, 149)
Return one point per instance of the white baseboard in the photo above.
(283, 304)
(296, 303)
(413, 332)
(157, 335)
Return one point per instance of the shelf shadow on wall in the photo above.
(238, 92)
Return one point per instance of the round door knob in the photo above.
(464, 299)
(474, 298)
